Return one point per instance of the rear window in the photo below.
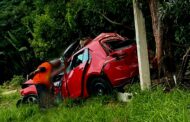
(118, 44)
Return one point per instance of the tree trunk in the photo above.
(157, 29)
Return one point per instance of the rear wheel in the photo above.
(99, 87)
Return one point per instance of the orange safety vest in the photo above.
(43, 77)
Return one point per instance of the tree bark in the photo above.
(157, 29)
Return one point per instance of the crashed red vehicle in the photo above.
(109, 61)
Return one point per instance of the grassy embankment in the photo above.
(151, 106)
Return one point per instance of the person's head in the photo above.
(84, 41)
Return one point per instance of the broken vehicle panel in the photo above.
(76, 74)
(112, 62)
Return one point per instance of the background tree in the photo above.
(157, 28)
(34, 31)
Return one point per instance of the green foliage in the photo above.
(14, 38)
(88, 16)
(175, 17)
(33, 30)
(41, 30)
(175, 14)
(14, 82)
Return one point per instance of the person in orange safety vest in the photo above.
(45, 71)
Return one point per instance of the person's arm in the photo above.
(31, 75)
(40, 69)
(58, 71)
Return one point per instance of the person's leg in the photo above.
(43, 95)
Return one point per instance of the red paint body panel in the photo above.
(74, 81)
(124, 68)
(100, 60)
(29, 90)
(30, 81)
(64, 88)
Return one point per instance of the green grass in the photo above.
(147, 106)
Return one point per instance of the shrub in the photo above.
(14, 82)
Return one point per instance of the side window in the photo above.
(79, 58)
(118, 44)
(86, 55)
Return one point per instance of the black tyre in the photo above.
(30, 99)
(99, 87)
(19, 102)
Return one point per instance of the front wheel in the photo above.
(19, 102)
(99, 87)
(30, 99)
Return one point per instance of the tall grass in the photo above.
(146, 106)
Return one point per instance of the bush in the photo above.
(14, 82)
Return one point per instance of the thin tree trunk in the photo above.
(157, 29)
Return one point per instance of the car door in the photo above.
(122, 63)
(76, 74)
